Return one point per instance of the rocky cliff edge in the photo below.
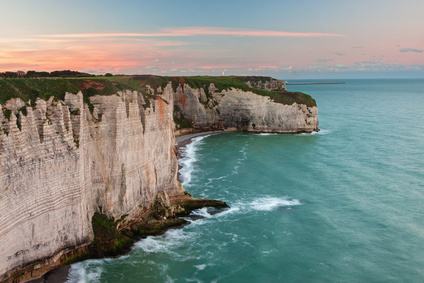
(87, 166)
(254, 104)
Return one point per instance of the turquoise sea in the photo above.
(345, 204)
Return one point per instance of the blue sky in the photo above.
(283, 39)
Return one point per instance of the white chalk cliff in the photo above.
(61, 162)
(235, 109)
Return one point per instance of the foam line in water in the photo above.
(211, 180)
(266, 134)
(243, 158)
(165, 243)
(188, 159)
(266, 203)
(321, 132)
(271, 203)
(231, 210)
(203, 215)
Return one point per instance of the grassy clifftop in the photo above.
(227, 82)
(28, 89)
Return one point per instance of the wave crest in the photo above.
(188, 159)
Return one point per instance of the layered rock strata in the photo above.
(236, 109)
(68, 165)
(60, 163)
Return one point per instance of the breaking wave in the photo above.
(165, 243)
(266, 203)
(86, 271)
(188, 159)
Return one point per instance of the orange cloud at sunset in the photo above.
(202, 50)
(129, 52)
(93, 53)
(279, 38)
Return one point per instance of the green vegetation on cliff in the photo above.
(44, 88)
(28, 89)
(228, 82)
(179, 119)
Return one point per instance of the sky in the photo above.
(284, 39)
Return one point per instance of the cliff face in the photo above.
(237, 109)
(68, 158)
(59, 164)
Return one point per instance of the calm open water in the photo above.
(342, 205)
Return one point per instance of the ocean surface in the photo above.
(345, 204)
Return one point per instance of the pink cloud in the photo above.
(190, 31)
(139, 52)
(70, 58)
(133, 51)
(268, 67)
(219, 67)
(196, 31)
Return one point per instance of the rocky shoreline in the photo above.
(156, 224)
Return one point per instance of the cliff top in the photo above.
(29, 89)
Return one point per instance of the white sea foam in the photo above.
(76, 273)
(231, 210)
(268, 252)
(243, 158)
(168, 279)
(193, 280)
(203, 212)
(165, 243)
(243, 150)
(188, 154)
(210, 180)
(266, 134)
(271, 203)
(206, 215)
(266, 203)
(172, 240)
(321, 132)
(86, 271)
(200, 266)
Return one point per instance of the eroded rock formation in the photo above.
(65, 163)
(60, 164)
(236, 109)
